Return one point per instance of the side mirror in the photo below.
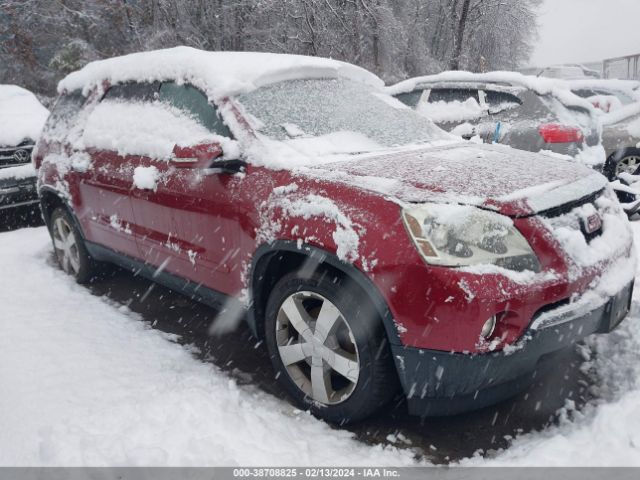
(196, 155)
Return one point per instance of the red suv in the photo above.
(365, 245)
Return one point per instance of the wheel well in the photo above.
(615, 157)
(272, 266)
(49, 201)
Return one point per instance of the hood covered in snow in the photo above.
(22, 116)
(511, 181)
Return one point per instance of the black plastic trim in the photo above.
(322, 256)
(193, 290)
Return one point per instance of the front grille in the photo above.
(569, 207)
(584, 215)
(12, 156)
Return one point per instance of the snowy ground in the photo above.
(85, 382)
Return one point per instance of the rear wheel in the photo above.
(69, 248)
(329, 348)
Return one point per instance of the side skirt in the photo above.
(194, 291)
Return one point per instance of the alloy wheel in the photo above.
(317, 347)
(628, 165)
(66, 247)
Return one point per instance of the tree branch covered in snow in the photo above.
(43, 40)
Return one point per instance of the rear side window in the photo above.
(500, 101)
(453, 95)
(447, 106)
(410, 99)
(64, 116)
(192, 101)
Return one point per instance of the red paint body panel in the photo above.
(206, 227)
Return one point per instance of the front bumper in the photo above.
(440, 383)
(18, 193)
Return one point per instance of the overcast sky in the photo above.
(573, 31)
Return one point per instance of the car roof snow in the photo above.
(218, 74)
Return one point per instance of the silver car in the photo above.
(619, 101)
(505, 108)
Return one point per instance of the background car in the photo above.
(523, 112)
(570, 71)
(619, 104)
(22, 117)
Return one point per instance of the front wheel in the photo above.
(329, 348)
(623, 161)
(69, 248)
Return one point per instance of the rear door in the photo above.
(107, 186)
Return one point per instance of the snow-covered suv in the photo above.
(363, 243)
(22, 117)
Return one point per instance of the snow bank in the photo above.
(22, 116)
(218, 74)
(85, 382)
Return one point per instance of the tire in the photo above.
(351, 340)
(69, 248)
(627, 160)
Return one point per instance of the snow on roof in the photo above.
(218, 74)
(630, 87)
(22, 116)
(542, 86)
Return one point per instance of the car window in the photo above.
(64, 115)
(133, 119)
(453, 95)
(500, 101)
(410, 99)
(452, 106)
(144, 92)
(191, 100)
(334, 116)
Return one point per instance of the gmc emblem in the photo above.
(592, 223)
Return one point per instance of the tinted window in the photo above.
(501, 101)
(195, 103)
(410, 99)
(143, 92)
(453, 95)
(64, 115)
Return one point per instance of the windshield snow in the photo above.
(304, 109)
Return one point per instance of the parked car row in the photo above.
(370, 249)
(509, 108)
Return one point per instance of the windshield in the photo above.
(296, 110)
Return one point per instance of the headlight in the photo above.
(457, 235)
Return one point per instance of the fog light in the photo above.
(488, 327)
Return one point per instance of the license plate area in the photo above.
(618, 308)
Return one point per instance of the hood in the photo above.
(513, 182)
(22, 116)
